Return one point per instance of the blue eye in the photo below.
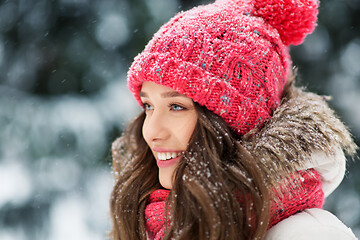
(147, 107)
(176, 107)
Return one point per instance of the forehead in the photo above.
(153, 88)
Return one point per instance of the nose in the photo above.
(155, 127)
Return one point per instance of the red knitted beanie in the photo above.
(231, 56)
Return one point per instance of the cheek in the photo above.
(145, 131)
(187, 130)
(187, 133)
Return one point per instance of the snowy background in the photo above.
(63, 100)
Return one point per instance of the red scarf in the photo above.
(306, 193)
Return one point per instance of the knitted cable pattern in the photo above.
(231, 56)
(154, 214)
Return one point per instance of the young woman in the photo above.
(227, 147)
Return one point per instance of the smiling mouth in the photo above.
(163, 156)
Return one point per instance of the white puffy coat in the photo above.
(317, 224)
(304, 133)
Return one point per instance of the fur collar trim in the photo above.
(303, 133)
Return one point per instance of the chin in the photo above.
(165, 184)
(166, 177)
(165, 181)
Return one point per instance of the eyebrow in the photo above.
(169, 94)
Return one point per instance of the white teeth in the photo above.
(168, 155)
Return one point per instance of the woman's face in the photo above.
(169, 123)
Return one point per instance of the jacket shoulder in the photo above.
(310, 224)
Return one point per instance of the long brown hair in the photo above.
(218, 190)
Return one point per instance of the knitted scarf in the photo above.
(306, 192)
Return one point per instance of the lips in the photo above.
(166, 158)
(163, 156)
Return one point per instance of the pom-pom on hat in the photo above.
(231, 56)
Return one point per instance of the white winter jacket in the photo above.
(317, 224)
